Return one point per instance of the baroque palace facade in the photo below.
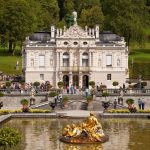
(75, 56)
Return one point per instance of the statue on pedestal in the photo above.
(89, 131)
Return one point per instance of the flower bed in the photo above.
(3, 112)
(127, 111)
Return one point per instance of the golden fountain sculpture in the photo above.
(89, 131)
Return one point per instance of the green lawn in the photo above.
(8, 63)
(141, 62)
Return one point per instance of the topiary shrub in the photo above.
(130, 101)
(65, 99)
(60, 84)
(92, 84)
(36, 84)
(115, 83)
(53, 94)
(89, 99)
(1, 94)
(105, 94)
(9, 137)
(8, 84)
(25, 103)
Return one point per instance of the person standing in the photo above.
(115, 104)
(143, 103)
(140, 103)
(67, 89)
(75, 89)
(71, 89)
(86, 92)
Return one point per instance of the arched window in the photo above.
(65, 59)
(85, 59)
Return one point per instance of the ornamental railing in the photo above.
(112, 92)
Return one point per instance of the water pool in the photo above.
(43, 134)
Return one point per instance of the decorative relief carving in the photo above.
(75, 31)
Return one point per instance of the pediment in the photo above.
(75, 31)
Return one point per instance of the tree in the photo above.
(91, 17)
(126, 18)
(50, 13)
(68, 6)
(17, 22)
(85, 4)
(9, 137)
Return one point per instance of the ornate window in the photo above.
(65, 59)
(108, 60)
(85, 59)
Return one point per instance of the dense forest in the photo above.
(20, 18)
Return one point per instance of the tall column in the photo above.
(89, 59)
(70, 79)
(90, 76)
(60, 76)
(80, 79)
(80, 58)
(70, 59)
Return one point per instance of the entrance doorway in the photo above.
(66, 80)
(76, 80)
(85, 82)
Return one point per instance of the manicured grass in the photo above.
(8, 64)
(141, 61)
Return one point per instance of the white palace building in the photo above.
(75, 56)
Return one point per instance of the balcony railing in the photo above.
(75, 69)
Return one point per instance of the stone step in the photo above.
(74, 96)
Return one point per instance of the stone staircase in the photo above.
(76, 104)
(74, 97)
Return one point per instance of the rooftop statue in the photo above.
(89, 131)
(75, 16)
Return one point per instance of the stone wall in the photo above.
(13, 102)
(146, 99)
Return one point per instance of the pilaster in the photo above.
(80, 55)
(80, 79)
(70, 58)
(70, 79)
